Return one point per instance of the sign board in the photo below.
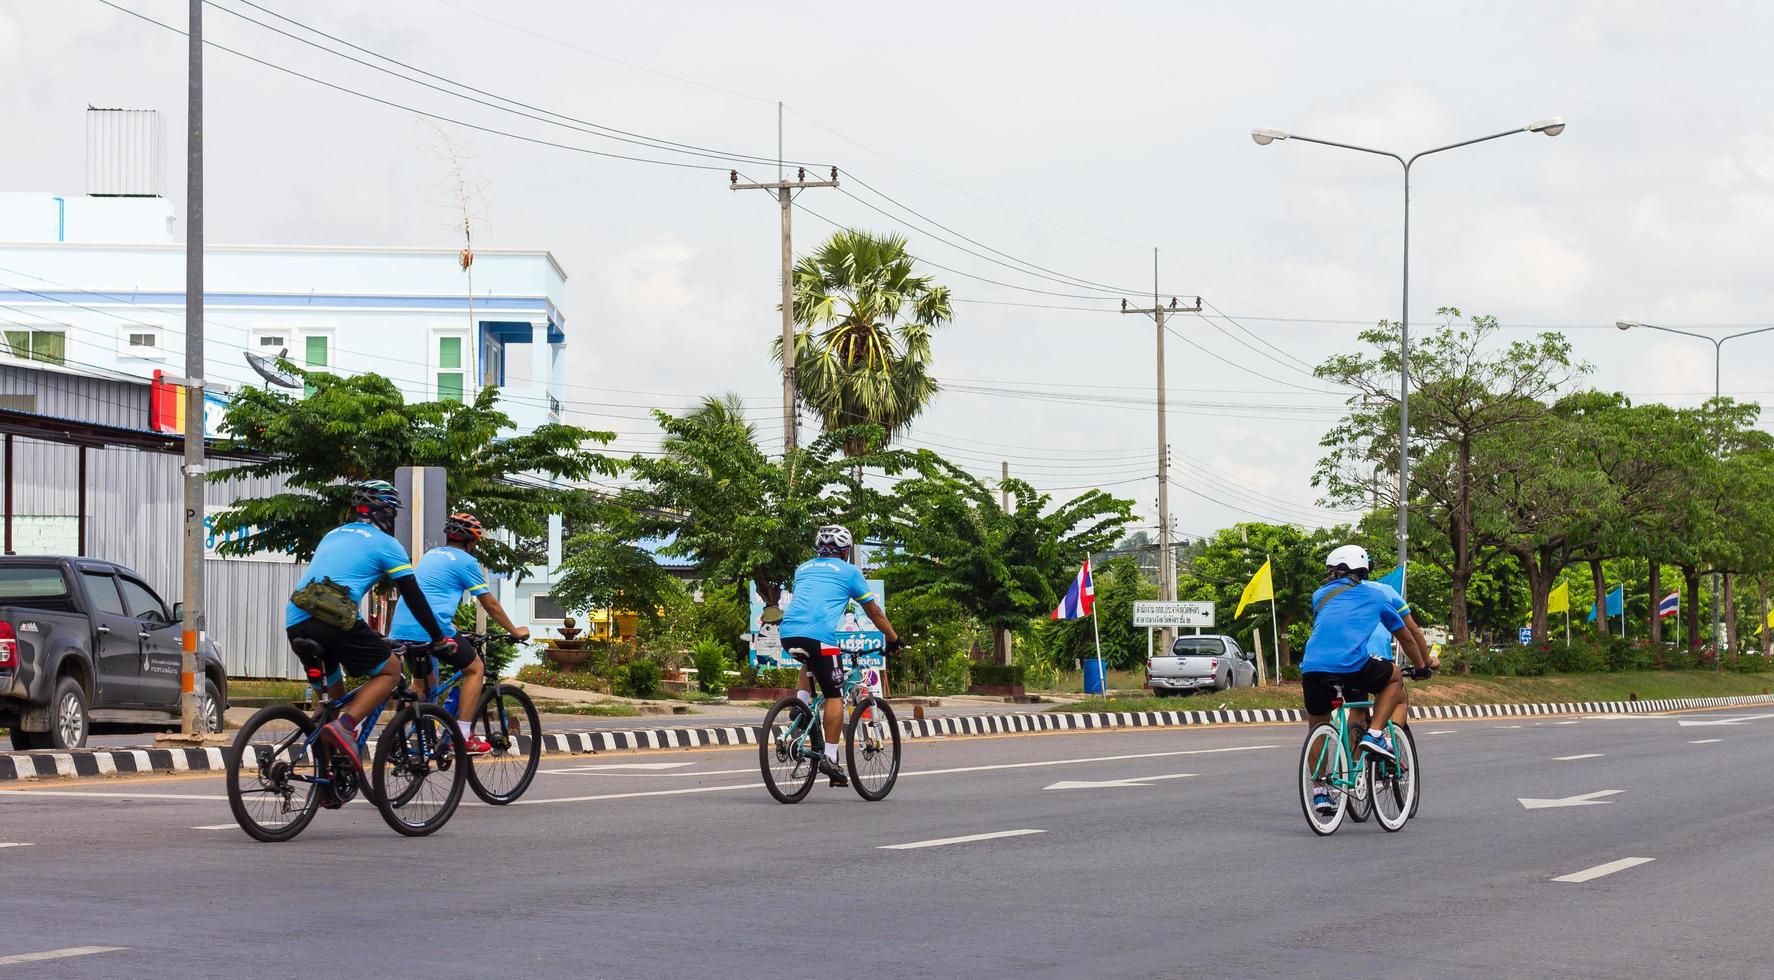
(855, 634)
(1526, 635)
(1156, 614)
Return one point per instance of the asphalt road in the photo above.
(1194, 859)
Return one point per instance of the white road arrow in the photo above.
(1115, 783)
(1587, 799)
(1722, 721)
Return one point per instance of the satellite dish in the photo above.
(268, 369)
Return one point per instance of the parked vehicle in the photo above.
(1201, 663)
(85, 641)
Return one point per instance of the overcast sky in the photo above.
(1072, 136)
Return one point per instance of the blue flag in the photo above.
(1394, 578)
(1616, 603)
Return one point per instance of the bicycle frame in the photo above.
(1340, 724)
(816, 703)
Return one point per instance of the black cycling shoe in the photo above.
(835, 771)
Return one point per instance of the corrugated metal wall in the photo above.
(77, 396)
(125, 152)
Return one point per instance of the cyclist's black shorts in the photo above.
(1358, 686)
(358, 651)
(459, 654)
(823, 662)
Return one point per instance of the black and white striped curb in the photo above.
(100, 762)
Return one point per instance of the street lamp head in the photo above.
(1551, 127)
(1266, 136)
(1627, 324)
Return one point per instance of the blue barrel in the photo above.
(1093, 677)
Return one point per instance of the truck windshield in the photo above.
(1198, 646)
(36, 587)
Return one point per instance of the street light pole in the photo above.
(1718, 363)
(1263, 137)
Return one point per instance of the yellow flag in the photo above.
(1560, 599)
(1262, 586)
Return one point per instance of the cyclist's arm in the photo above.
(496, 613)
(1410, 623)
(878, 616)
(1410, 639)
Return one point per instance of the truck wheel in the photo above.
(209, 709)
(68, 724)
(22, 741)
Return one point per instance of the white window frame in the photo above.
(33, 328)
(434, 362)
(299, 350)
(288, 340)
(537, 619)
(128, 351)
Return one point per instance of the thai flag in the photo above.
(1080, 598)
(1671, 604)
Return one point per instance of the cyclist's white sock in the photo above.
(467, 728)
(831, 752)
(1378, 733)
(802, 696)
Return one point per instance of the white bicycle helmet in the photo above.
(1350, 556)
(833, 539)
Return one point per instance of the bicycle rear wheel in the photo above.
(274, 774)
(1324, 764)
(871, 748)
(1416, 774)
(783, 750)
(420, 768)
(507, 719)
(1393, 784)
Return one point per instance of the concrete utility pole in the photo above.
(189, 722)
(1167, 575)
(1004, 491)
(784, 190)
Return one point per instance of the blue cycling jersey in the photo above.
(356, 556)
(1346, 615)
(1380, 643)
(823, 589)
(444, 574)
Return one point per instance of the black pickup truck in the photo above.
(84, 641)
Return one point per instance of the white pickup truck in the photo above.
(1208, 662)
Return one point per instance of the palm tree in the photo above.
(862, 350)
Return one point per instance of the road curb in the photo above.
(23, 766)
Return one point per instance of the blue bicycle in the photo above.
(506, 719)
(280, 773)
(793, 740)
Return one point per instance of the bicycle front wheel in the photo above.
(871, 748)
(1324, 766)
(507, 719)
(420, 768)
(783, 751)
(274, 774)
(1393, 784)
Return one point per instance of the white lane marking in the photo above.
(945, 841)
(1704, 741)
(1567, 723)
(1587, 799)
(1508, 726)
(1115, 783)
(1603, 870)
(618, 766)
(925, 772)
(1574, 758)
(58, 954)
(1445, 731)
(680, 775)
(110, 796)
(217, 826)
(16, 844)
(1738, 720)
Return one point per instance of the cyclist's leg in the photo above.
(361, 650)
(1316, 692)
(1388, 686)
(462, 656)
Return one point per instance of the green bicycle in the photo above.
(792, 741)
(1386, 788)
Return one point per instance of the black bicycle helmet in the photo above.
(376, 501)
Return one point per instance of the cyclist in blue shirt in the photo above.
(444, 575)
(322, 623)
(823, 588)
(1345, 613)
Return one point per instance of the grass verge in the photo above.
(1647, 684)
(611, 710)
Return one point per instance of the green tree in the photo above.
(1465, 392)
(952, 540)
(1228, 559)
(862, 347)
(361, 428)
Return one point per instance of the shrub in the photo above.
(779, 677)
(641, 679)
(1290, 672)
(710, 657)
(573, 680)
(997, 675)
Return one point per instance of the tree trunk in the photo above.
(1731, 614)
(1691, 605)
(1656, 624)
(1539, 589)
(1460, 537)
(1601, 597)
(1001, 645)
